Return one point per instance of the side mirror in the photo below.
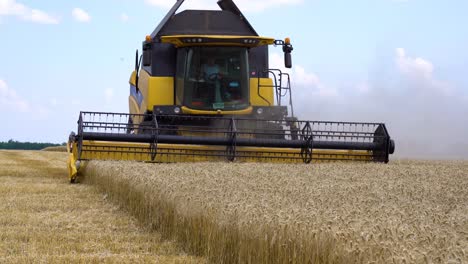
(147, 57)
(287, 60)
(137, 69)
(287, 49)
(137, 61)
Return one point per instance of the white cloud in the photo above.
(305, 84)
(419, 72)
(311, 80)
(363, 87)
(9, 99)
(11, 102)
(54, 101)
(413, 66)
(244, 5)
(13, 8)
(41, 17)
(124, 17)
(80, 15)
(108, 95)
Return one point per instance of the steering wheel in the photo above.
(214, 76)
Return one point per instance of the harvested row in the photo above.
(406, 211)
(45, 219)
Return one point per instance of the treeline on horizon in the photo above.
(13, 144)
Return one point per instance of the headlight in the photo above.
(259, 111)
(177, 110)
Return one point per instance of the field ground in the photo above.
(57, 149)
(44, 219)
(401, 212)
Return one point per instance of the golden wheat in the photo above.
(44, 219)
(403, 212)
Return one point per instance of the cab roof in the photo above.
(206, 22)
(228, 21)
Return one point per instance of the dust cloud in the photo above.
(427, 118)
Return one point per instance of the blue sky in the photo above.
(394, 61)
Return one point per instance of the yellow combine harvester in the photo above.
(203, 91)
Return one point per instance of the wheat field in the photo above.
(57, 149)
(402, 212)
(44, 219)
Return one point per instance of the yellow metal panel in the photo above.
(266, 97)
(190, 111)
(71, 162)
(155, 90)
(132, 80)
(133, 105)
(161, 91)
(176, 40)
(103, 150)
(168, 153)
(143, 83)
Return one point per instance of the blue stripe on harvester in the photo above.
(136, 94)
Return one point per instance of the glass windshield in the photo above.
(216, 78)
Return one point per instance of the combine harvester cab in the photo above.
(203, 91)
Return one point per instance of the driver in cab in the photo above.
(212, 74)
(211, 70)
